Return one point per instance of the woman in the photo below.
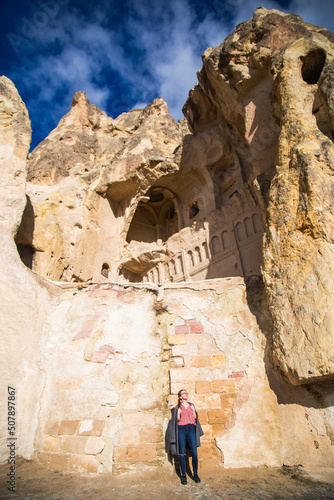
(185, 428)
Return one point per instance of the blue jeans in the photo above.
(187, 433)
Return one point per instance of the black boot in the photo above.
(196, 478)
(183, 479)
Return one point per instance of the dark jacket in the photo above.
(172, 442)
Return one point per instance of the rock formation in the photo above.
(196, 254)
(292, 61)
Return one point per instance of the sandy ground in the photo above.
(34, 481)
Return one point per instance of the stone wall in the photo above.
(117, 355)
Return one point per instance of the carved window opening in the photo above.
(156, 275)
(312, 66)
(256, 223)
(166, 271)
(215, 245)
(191, 259)
(225, 240)
(248, 227)
(105, 270)
(240, 231)
(193, 209)
(205, 250)
(179, 264)
(156, 217)
(198, 255)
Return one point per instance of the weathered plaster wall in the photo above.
(116, 356)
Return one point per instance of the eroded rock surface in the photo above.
(15, 136)
(139, 198)
(244, 188)
(269, 82)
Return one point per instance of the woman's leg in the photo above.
(182, 434)
(193, 447)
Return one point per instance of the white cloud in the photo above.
(154, 51)
(173, 47)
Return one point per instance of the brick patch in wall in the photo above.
(138, 418)
(72, 427)
(195, 326)
(100, 356)
(178, 374)
(207, 401)
(91, 427)
(218, 360)
(120, 453)
(72, 444)
(237, 374)
(227, 400)
(219, 416)
(177, 339)
(179, 329)
(212, 389)
(68, 427)
(88, 445)
(91, 289)
(151, 435)
(86, 329)
(141, 453)
(51, 427)
(54, 461)
(128, 435)
(207, 361)
(223, 386)
(52, 444)
(177, 385)
(108, 348)
(83, 463)
(202, 386)
(208, 450)
(202, 415)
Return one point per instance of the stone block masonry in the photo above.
(213, 390)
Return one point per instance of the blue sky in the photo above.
(122, 54)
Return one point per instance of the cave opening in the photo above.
(155, 219)
(312, 66)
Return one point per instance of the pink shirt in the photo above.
(187, 416)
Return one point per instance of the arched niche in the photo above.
(227, 178)
(156, 218)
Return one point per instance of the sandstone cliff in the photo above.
(270, 83)
(139, 198)
(175, 224)
(23, 302)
